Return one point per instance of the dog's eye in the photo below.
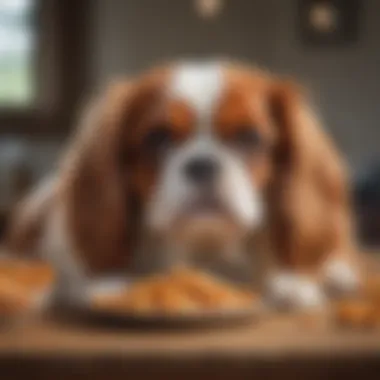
(159, 138)
(246, 138)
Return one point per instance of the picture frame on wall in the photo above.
(328, 22)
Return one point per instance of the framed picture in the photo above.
(328, 22)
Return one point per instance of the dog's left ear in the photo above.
(309, 198)
(93, 188)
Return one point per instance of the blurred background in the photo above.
(55, 54)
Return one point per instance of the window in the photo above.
(42, 53)
(17, 49)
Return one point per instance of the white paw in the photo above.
(293, 291)
(340, 277)
(69, 291)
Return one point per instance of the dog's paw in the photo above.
(293, 291)
(340, 277)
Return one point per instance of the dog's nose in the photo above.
(202, 169)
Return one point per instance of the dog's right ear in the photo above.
(93, 189)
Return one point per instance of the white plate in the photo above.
(112, 286)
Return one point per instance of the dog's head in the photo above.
(204, 147)
(191, 152)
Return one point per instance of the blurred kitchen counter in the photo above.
(288, 346)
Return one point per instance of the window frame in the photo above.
(60, 70)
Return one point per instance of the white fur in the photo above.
(340, 276)
(57, 249)
(201, 86)
(291, 290)
(42, 206)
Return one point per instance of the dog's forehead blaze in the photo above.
(242, 101)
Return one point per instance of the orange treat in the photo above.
(181, 291)
(20, 283)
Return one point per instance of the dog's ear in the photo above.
(93, 188)
(309, 197)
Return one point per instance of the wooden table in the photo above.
(279, 347)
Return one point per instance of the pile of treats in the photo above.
(20, 282)
(178, 292)
(363, 310)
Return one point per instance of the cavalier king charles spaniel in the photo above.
(198, 163)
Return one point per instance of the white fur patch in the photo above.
(241, 195)
(289, 290)
(58, 250)
(235, 188)
(340, 277)
(200, 86)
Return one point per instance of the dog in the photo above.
(193, 161)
